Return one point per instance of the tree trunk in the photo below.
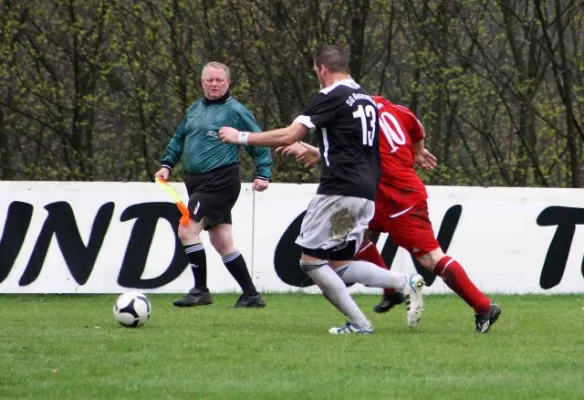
(6, 170)
(574, 158)
(359, 10)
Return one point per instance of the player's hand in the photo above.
(306, 156)
(426, 160)
(302, 153)
(229, 135)
(259, 185)
(162, 173)
(292, 150)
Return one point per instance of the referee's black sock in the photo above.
(238, 269)
(198, 260)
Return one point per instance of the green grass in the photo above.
(69, 347)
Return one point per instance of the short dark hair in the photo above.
(332, 57)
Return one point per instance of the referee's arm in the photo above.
(175, 147)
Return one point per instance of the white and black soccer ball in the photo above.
(132, 309)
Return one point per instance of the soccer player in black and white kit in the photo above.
(346, 123)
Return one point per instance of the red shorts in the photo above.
(411, 230)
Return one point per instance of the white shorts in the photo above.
(331, 223)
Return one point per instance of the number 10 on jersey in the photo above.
(368, 119)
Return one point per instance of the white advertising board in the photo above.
(101, 237)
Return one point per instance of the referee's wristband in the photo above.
(242, 138)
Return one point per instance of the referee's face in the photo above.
(214, 83)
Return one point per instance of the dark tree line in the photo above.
(93, 89)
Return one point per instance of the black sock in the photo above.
(238, 269)
(198, 260)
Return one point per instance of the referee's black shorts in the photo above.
(213, 194)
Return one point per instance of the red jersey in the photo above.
(400, 187)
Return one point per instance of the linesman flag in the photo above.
(185, 215)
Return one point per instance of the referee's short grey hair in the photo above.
(217, 65)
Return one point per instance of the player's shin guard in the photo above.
(456, 279)
(368, 252)
(334, 290)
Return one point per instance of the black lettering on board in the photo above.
(134, 263)
(566, 219)
(15, 228)
(79, 258)
(287, 256)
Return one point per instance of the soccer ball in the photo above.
(132, 309)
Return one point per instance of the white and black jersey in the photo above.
(346, 122)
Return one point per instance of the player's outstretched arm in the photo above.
(278, 137)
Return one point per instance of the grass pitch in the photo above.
(70, 347)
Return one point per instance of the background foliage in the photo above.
(93, 89)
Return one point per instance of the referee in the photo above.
(211, 176)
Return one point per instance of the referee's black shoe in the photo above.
(250, 301)
(194, 297)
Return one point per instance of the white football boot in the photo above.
(414, 299)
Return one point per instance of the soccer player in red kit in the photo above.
(401, 209)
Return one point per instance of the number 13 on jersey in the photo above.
(368, 118)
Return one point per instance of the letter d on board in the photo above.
(147, 215)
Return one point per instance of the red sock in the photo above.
(456, 279)
(368, 252)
